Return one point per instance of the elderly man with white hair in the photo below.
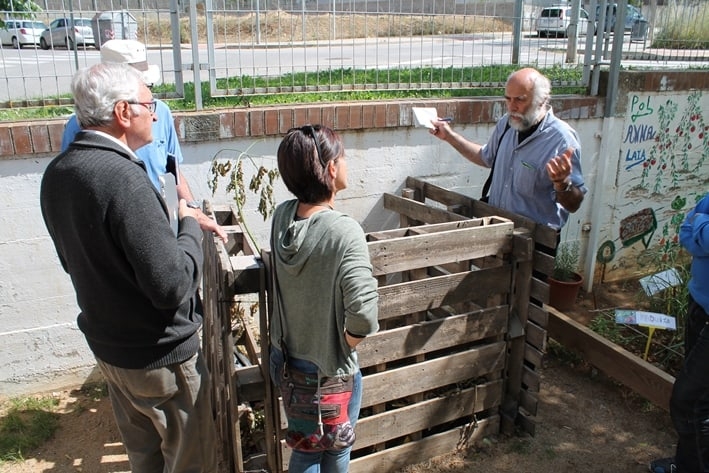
(165, 142)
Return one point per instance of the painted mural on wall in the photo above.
(663, 170)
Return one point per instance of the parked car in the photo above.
(633, 16)
(60, 33)
(555, 21)
(20, 33)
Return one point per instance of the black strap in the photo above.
(281, 308)
(488, 182)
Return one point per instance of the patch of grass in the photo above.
(684, 27)
(349, 77)
(563, 354)
(26, 423)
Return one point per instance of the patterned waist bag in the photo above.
(316, 409)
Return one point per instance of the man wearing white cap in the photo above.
(165, 142)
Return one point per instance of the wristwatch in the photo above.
(569, 186)
(194, 204)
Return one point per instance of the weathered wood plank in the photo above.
(397, 383)
(632, 371)
(522, 264)
(426, 414)
(420, 251)
(426, 337)
(533, 356)
(414, 296)
(536, 336)
(527, 423)
(538, 315)
(539, 290)
(395, 458)
(543, 263)
(529, 402)
(426, 190)
(542, 234)
(418, 211)
(532, 379)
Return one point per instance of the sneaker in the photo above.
(663, 465)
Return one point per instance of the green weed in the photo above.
(26, 424)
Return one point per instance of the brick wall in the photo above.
(25, 139)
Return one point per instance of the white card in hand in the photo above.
(424, 115)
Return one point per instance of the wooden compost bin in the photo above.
(463, 332)
(454, 360)
(233, 282)
(627, 368)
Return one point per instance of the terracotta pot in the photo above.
(562, 294)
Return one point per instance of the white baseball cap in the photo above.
(129, 51)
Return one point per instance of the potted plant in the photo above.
(565, 281)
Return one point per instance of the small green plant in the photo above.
(26, 424)
(566, 261)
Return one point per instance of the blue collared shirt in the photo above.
(520, 183)
(154, 154)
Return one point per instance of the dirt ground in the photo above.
(585, 423)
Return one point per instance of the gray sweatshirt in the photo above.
(326, 284)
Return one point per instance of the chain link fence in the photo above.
(250, 47)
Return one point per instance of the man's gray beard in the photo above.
(528, 120)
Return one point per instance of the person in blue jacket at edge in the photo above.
(689, 402)
(154, 155)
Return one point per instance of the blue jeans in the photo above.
(689, 404)
(330, 461)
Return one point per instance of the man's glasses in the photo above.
(151, 106)
(312, 131)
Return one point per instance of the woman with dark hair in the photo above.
(326, 296)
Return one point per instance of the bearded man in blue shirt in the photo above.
(535, 155)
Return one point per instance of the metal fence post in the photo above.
(195, 57)
(517, 31)
(176, 42)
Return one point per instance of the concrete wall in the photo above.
(41, 348)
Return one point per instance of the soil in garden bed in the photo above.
(596, 309)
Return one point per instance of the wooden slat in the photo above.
(527, 423)
(522, 265)
(538, 315)
(393, 459)
(409, 453)
(400, 382)
(244, 274)
(418, 211)
(632, 371)
(420, 251)
(529, 402)
(542, 234)
(536, 336)
(426, 337)
(539, 290)
(404, 298)
(424, 415)
(250, 384)
(533, 356)
(426, 190)
(543, 263)
(531, 379)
